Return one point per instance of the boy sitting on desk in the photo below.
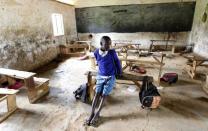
(109, 66)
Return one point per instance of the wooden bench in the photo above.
(37, 87)
(70, 50)
(124, 48)
(10, 97)
(194, 61)
(129, 77)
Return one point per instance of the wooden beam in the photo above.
(77, 46)
(141, 61)
(124, 76)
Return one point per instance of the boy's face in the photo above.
(106, 45)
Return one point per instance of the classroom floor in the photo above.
(184, 105)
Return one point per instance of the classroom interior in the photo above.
(45, 55)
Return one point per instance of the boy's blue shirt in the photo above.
(109, 64)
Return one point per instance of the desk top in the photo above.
(196, 57)
(16, 73)
(124, 76)
(4, 91)
(83, 41)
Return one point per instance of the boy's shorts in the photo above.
(105, 85)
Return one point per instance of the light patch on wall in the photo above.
(70, 2)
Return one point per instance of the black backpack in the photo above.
(82, 93)
(147, 92)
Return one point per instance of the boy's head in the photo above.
(90, 36)
(105, 43)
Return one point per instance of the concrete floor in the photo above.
(184, 105)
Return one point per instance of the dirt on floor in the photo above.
(184, 105)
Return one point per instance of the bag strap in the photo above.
(146, 80)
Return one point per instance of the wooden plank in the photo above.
(11, 102)
(16, 73)
(82, 41)
(125, 76)
(3, 98)
(140, 61)
(41, 88)
(77, 54)
(11, 106)
(194, 56)
(77, 46)
(4, 117)
(5, 91)
(41, 80)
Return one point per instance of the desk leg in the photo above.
(193, 69)
(11, 107)
(160, 70)
(11, 103)
(173, 49)
(93, 64)
(91, 84)
(32, 92)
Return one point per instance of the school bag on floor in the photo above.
(82, 93)
(149, 95)
(170, 78)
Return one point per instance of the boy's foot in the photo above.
(88, 121)
(94, 121)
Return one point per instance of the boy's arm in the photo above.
(117, 63)
(95, 54)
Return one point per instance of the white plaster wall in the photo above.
(199, 34)
(26, 33)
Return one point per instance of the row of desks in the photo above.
(36, 88)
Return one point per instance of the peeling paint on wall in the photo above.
(26, 35)
(199, 32)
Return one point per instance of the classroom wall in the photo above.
(26, 34)
(199, 34)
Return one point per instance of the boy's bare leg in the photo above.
(94, 104)
(95, 118)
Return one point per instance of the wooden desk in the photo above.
(71, 49)
(10, 96)
(163, 43)
(124, 48)
(134, 78)
(195, 60)
(16, 74)
(36, 87)
(157, 57)
(157, 61)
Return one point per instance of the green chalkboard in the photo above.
(163, 17)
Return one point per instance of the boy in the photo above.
(109, 66)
